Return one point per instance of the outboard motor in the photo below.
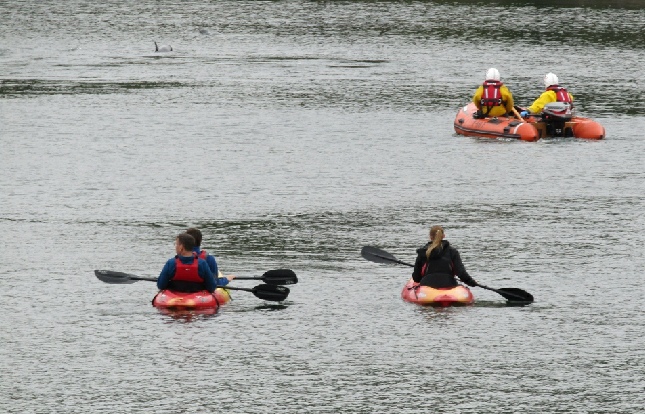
(555, 115)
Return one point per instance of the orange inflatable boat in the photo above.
(556, 120)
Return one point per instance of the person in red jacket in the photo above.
(438, 263)
(186, 272)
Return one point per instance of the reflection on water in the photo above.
(271, 308)
(187, 316)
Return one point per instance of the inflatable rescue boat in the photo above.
(556, 120)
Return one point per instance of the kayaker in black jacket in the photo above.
(438, 263)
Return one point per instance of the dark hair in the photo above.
(196, 234)
(187, 241)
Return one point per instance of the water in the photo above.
(292, 134)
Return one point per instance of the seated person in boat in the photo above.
(493, 98)
(203, 254)
(553, 93)
(438, 263)
(186, 272)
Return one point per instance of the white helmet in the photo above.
(550, 79)
(492, 74)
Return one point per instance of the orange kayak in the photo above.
(531, 128)
(425, 295)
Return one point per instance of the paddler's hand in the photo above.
(230, 277)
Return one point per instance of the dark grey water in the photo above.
(293, 133)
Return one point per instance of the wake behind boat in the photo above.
(556, 120)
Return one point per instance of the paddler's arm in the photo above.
(418, 265)
(166, 274)
(212, 264)
(205, 273)
(460, 269)
(223, 281)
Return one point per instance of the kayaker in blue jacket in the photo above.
(438, 263)
(203, 254)
(186, 272)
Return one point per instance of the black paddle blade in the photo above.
(269, 292)
(515, 295)
(280, 277)
(376, 255)
(109, 276)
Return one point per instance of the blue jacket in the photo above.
(203, 270)
(210, 259)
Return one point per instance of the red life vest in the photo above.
(187, 272)
(491, 95)
(561, 94)
(203, 254)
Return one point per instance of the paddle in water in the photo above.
(264, 291)
(514, 295)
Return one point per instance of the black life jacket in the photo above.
(438, 271)
(491, 96)
(561, 94)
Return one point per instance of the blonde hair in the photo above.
(436, 235)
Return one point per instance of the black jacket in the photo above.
(442, 267)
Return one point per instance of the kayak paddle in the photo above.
(275, 277)
(377, 255)
(511, 294)
(264, 291)
(111, 277)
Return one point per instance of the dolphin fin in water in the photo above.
(162, 48)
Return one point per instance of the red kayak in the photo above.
(425, 295)
(201, 300)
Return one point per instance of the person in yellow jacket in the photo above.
(553, 93)
(493, 98)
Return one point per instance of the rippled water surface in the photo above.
(293, 133)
